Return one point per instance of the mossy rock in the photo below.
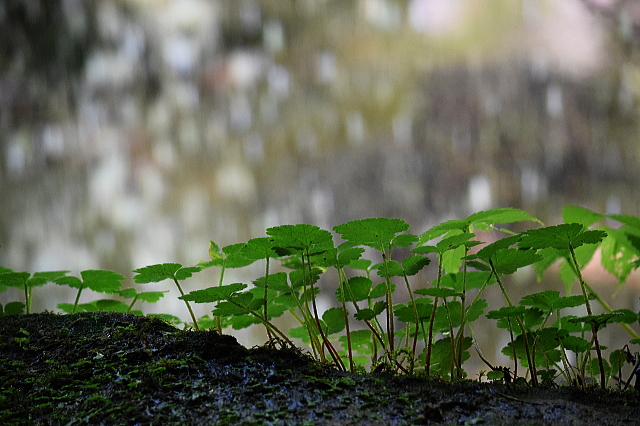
(119, 369)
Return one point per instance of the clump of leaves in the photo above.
(430, 331)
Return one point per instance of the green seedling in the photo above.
(431, 332)
(26, 282)
(173, 271)
(97, 280)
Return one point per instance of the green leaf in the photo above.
(365, 314)
(549, 257)
(568, 302)
(379, 307)
(369, 314)
(501, 215)
(361, 342)
(73, 282)
(388, 269)
(565, 323)
(213, 294)
(560, 237)
(361, 264)
(618, 253)
(455, 241)
(156, 273)
(187, 272)
(302, 238)
(14, 279)
(575, 344)
(581, 215)
(286, 301)
(381, 290)
(425, 250)
(474, 311)
(405, 313)
(41, 278)
(414, 264)
(454, 313)
(102, 281)
(474, 280)
(438, 292)
(234, 257)
(479, 219)
(550, 300)
(441, 229)
(376, 232)
(239, 321)
(593, 367)
(13, 308)
(360, 289)
(301, 277)
(508, 261)
(452, 259)
(350, 257)
(277, 282)
(404, 240)
(151, 296)
(487, 252)
(506, 312)
(227, 309)
(632, 221)
(67, 307)
(128, 293)
(597, 320)
(441, 355)
(543, 300)
(482, 267)
(334, 320)
(110, 305)
(258, 248)
(214, 252)
(627, 317)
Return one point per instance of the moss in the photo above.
(121, 369)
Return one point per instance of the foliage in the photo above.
(431, 331)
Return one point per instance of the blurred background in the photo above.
(132, 132)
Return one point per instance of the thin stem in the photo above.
(513, 347)
(415, 311)
(135, 299)
(266, 323)
(532, 367)
(342, 282)
(75, 304)
(220, 281)
(390, 325)
(427, 365)
(327, 343)
(371, 327)
(266, 295)
(27, 299)
(473, 303)
(193, 317)
(594, 327)
(463, 299)
(608, 308)
(454, 361)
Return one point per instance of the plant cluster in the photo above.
(432, 332)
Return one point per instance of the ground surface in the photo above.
(117, 369)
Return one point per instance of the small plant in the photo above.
(431, 331)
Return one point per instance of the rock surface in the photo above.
(119, 369)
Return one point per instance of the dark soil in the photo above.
(117, 369)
